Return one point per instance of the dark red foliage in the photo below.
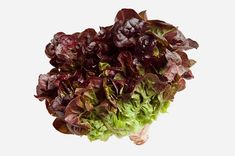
(87, 64)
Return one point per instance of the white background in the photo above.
(200, 121)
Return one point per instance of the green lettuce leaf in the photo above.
(132, 114)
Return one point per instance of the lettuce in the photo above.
(116, 81)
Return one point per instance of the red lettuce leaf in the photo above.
(93, 71)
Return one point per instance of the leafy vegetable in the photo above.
(116, 81)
